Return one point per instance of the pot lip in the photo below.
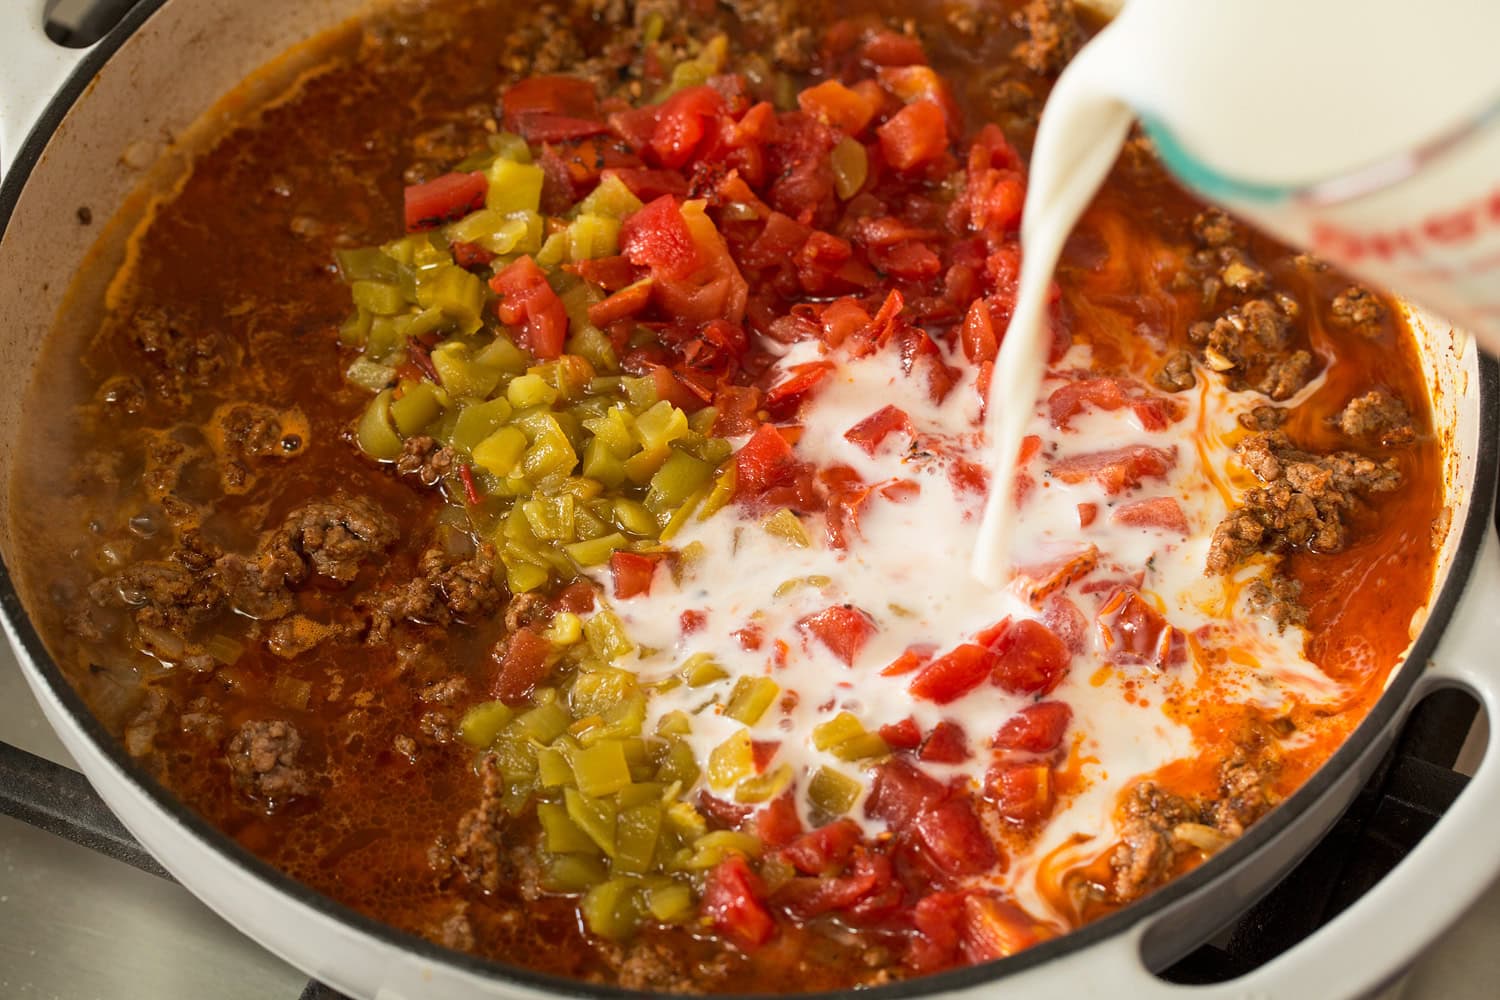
(1386, 709)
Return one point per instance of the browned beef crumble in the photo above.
(1360, 310)
(1304, 503)
(1176, 373)
(1053, 35)
(426, 461)
(1377, 416)
(262, 760)
(1262, 418)
(1278, 599)
(480, 855)
(1157, 827)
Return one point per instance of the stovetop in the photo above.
(76, 924)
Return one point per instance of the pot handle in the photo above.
(32, 68)
(1373, 941)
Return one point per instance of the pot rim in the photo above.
(1387, 708)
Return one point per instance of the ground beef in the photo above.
(655, 968)
(160, 595)
(480, 855)
(1304, 503)
(1244, 792)
(256, 431)
(443, 591)
(1263, 418)
(1287, 376)
(425, 460)
(263, 761)
(1147, 849)
(1176, 373)
(1279, 599)
(335, 536)
(1052, 35)
(1213, 228)
(1360, 310)
(455, 931)
(140, 732)
(525, 610)
(1377, 416)
(792, 43)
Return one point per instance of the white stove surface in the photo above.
(78, 926)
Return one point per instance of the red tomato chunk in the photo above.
(733, 902)
(1029, 658)
(443, 199)
(1036, 728)
(843, 629)
(1120, 469)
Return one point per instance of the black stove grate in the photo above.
(1408, 794)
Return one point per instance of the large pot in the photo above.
(79, 129)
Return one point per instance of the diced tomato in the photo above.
(841, 318)
(843, 628)
(1087, 512)
(900, 791)
(953, 675)
(838, 105)
(1037, 728)
(1029, 658)
(722, 812)
(1156, 512)
(443, 199)
(779, 241)
(1037, 583)
(692, 620)
(778, 824)
(682, 121)
(1133, 631)
(903, 735)
(632, 573)
(522, 661)
(910, 260)
(626, 302)
(657, 237)
(1118, 469)
(1022, 793)
(869, 875)
(912, 658)
(871, 431)
(978, 333)
(577, 597)
(541, 127)
(938, 920)
(954, 840)
(750, 637)
(470, 255)
(901, 490)
(914, 136)
(737, 410)
(946, 744)
(527, 299)
(648, 184)
(570, 96)
(732, 902)
(783, 398)
(826, 849)
(1062, 616)
(993, 928)
(609, 273)
(891, 48)
(762, 752)
(671, 386)
(765, 461)
(1154, 412)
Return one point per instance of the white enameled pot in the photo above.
(86, 129)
